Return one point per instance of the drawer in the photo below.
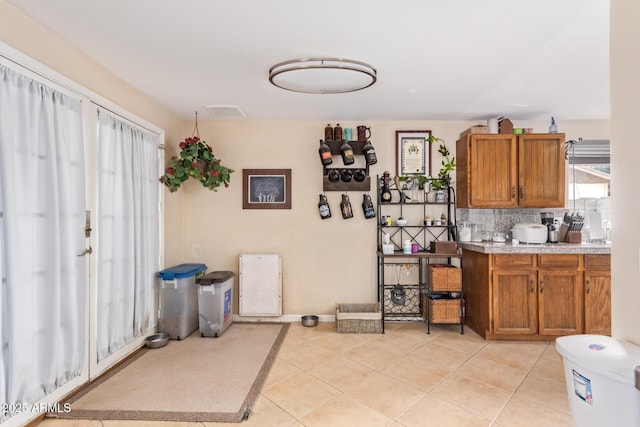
(559, 261)
(513, 261)
(597, 262)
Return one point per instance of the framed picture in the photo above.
(266, 188)
(413, 152)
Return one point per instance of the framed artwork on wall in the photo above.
(413, 152)
(266, 188)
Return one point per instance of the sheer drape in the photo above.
(128, 222)
(42, 220)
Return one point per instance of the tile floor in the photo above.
(404, 378)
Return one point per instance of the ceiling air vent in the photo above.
(225, 111)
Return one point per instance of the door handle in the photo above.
(588, 286)
(88, 251)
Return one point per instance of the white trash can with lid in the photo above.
(600, 377)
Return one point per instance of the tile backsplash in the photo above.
(502, 220)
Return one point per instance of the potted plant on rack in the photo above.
(414, 183)
(443, 181)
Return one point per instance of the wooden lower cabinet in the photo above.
(515, 302)
(597, 294)
(536, 297)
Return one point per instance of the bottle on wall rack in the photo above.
(345, 207)
(325, 154)
(328, 133)
(323, 207)
(369, 153)
(337, 133)
(347, 153)
(367, 207)
(385, 194)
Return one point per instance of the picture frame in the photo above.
(413, 152)
(266, 188)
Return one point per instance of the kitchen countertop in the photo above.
(530, 248)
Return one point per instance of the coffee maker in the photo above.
(548, 220)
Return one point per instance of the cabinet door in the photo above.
(514, 302)
(597, 302)
(560, 303)
(541, 170)
(492, 171)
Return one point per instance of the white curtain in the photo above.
(42, 221)
(129, 226)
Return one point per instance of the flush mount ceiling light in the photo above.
(322, 75)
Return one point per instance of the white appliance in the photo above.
(530, 233)
(260, 285)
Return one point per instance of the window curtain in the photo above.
(42, 221)
(129, 226)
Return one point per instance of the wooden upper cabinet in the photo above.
(541, 175)
(507, 171)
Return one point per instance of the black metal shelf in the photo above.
(412, 305)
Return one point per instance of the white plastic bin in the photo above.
(600, 378)
(179, 300)
(215, 299)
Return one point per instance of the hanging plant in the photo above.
(196, 160)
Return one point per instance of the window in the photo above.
(589, 179)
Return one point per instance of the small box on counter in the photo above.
(449, 248)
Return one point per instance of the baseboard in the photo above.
(285, 318)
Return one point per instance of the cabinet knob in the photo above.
(541, 286)
(522, 192)
(513, 192)
(588, 282)
(533, 285)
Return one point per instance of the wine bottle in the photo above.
(367, 207)
(369, 153)
(385, 194)
(323, 207)
(347, 153)
(345, 207)
(325, 153)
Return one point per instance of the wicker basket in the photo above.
(359, 318)
(442, 310)
(445, 277)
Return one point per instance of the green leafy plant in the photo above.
(196, 160)
(421, 180)
(448, 165)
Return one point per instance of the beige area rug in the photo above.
(196, 379)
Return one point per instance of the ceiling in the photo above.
(438, 60)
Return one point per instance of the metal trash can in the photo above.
(179, 300)
(215, 299)
(601, 380)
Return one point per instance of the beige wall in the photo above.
(625, 110)
(30, 38)
(325, 261)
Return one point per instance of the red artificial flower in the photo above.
(169, 170)
(182, 145)
(194, 164)
(214, 173)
